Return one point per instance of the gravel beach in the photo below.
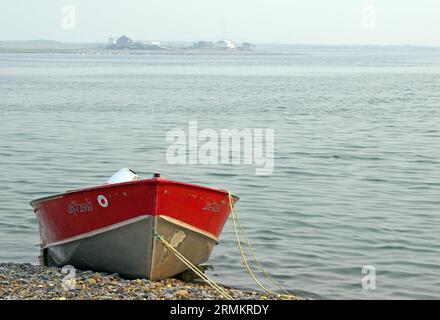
(34, 282)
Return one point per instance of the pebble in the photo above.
(182, 294)
(34, 282)
(168, 296)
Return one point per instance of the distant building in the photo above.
(124, 42)
(226, 44)
(111, 41)
(248, 46)
(203, 45)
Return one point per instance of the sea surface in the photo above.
(356, 180)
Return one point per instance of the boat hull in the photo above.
(133, 251)
(119, 235)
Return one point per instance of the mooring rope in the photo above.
(196, 270)
(235, 220)
(214, 285)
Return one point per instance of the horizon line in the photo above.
(256, 43)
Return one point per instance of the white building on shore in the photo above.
(226, 44)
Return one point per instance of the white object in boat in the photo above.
(123, 175)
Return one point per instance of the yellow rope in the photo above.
(236, 220)
(197, 271)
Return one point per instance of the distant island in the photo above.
(126, 45)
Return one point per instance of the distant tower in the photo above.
(111, 41)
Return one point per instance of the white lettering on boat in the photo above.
(79, 207)
(212, 206)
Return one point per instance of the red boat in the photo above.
(111, 228)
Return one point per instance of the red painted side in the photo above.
(77, 212)
(59, 221)
(204, 208)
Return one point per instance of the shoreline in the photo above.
(25, 281)
(109, 52)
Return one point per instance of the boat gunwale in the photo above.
(158, 181)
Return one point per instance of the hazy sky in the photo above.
(259, 21)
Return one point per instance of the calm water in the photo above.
(357, 167)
